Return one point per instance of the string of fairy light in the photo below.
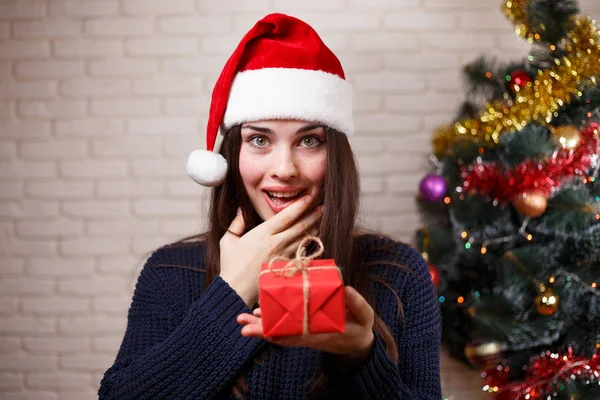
(567, 275)
(532, 102)
(471, 240)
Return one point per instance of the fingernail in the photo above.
(238, 212)
(308, 199)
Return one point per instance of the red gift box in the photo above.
(299, 298)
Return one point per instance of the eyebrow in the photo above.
(261, 129)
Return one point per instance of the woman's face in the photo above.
(281, 161)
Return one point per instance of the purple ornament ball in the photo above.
(432, 188)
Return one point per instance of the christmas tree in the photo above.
(512, 212)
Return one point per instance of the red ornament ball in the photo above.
(435, 275)
(518, 79)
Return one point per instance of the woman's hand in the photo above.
(355, 343)
(243, 253)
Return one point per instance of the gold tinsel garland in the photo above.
(516, 11)
(539, 100)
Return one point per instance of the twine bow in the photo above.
(300, 264)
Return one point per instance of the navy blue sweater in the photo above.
(183, 342)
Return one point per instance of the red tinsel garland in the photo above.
(493, 181)
(543, 376)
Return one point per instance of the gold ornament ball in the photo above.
(484, 354)
(546, 303)
(530, 204)
(566, 136)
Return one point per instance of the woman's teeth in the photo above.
(284, 194)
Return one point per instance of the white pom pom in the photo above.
(206, 167)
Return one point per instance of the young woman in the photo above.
(284, 170)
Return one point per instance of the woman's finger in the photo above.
(300, 227)
(282, 220)
(359, 307)
(291, 249)
(254, 330)
(257, 312)
(246, 319)
(237, 226)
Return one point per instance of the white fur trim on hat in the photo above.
(288, 93)
(206, 167)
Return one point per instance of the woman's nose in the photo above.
(284, 165)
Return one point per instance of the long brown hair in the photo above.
(341, 194)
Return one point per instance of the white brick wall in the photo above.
(100, 102)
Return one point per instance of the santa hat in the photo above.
(280, 70)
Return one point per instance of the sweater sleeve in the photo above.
(195, 358)
(416, 376)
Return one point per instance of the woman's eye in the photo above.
(310, 141)
(259, 141)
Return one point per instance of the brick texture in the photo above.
(100, 103)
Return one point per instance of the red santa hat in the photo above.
(280, 70)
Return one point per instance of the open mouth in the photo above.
(284, 198)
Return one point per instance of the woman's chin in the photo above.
(264, 212)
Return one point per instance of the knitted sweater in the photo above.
(183, 342)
